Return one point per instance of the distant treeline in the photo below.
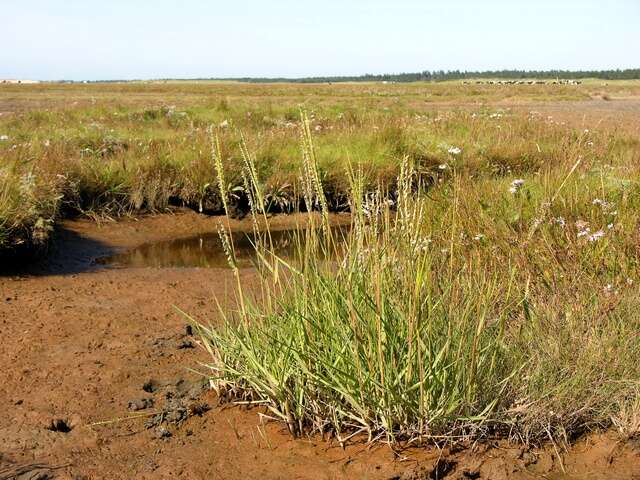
(441, 75)
(428, 76)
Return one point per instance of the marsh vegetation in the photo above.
(487, 285)
(482, 302)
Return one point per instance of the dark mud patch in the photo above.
(67, 253)
(178, 401)
(60, 425)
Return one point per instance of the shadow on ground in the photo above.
(68, 253)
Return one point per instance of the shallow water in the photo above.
(204, 251)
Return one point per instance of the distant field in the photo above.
(189, 93)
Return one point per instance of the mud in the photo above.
(100, 380)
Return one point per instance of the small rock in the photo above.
(150, 386)
(198, 408)
(184, 343)
(162, 432)
(140, 404)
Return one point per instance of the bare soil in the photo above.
(86, 348)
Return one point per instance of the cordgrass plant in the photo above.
(474, 308)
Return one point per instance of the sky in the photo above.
(136, 39)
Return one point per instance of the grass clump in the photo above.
(490, 306)
(29, 204)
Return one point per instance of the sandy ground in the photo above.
(83, 344)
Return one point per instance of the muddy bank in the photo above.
(87, 348)
(80, 245)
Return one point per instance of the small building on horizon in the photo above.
(16, 81)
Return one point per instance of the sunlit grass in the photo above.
(487, 284)
(110, 159)
(478, 309)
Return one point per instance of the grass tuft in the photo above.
(490, 306)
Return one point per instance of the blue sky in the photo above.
(126, 39)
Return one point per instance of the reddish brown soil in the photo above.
(79, 343)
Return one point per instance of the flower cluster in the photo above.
(516, 185)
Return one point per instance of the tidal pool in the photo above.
(204, 251)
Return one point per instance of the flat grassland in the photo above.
(109, 149)
(487, 289)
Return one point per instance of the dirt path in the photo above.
(82, 345)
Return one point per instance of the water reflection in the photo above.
(202, 251)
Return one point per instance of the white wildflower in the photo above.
(421, 244)
(479, 237)
(454, 150)
(596, 236)
(581, 224)
(4, 138)
(443, 166)
(583, 232)
(224, 124)
(516, 185)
